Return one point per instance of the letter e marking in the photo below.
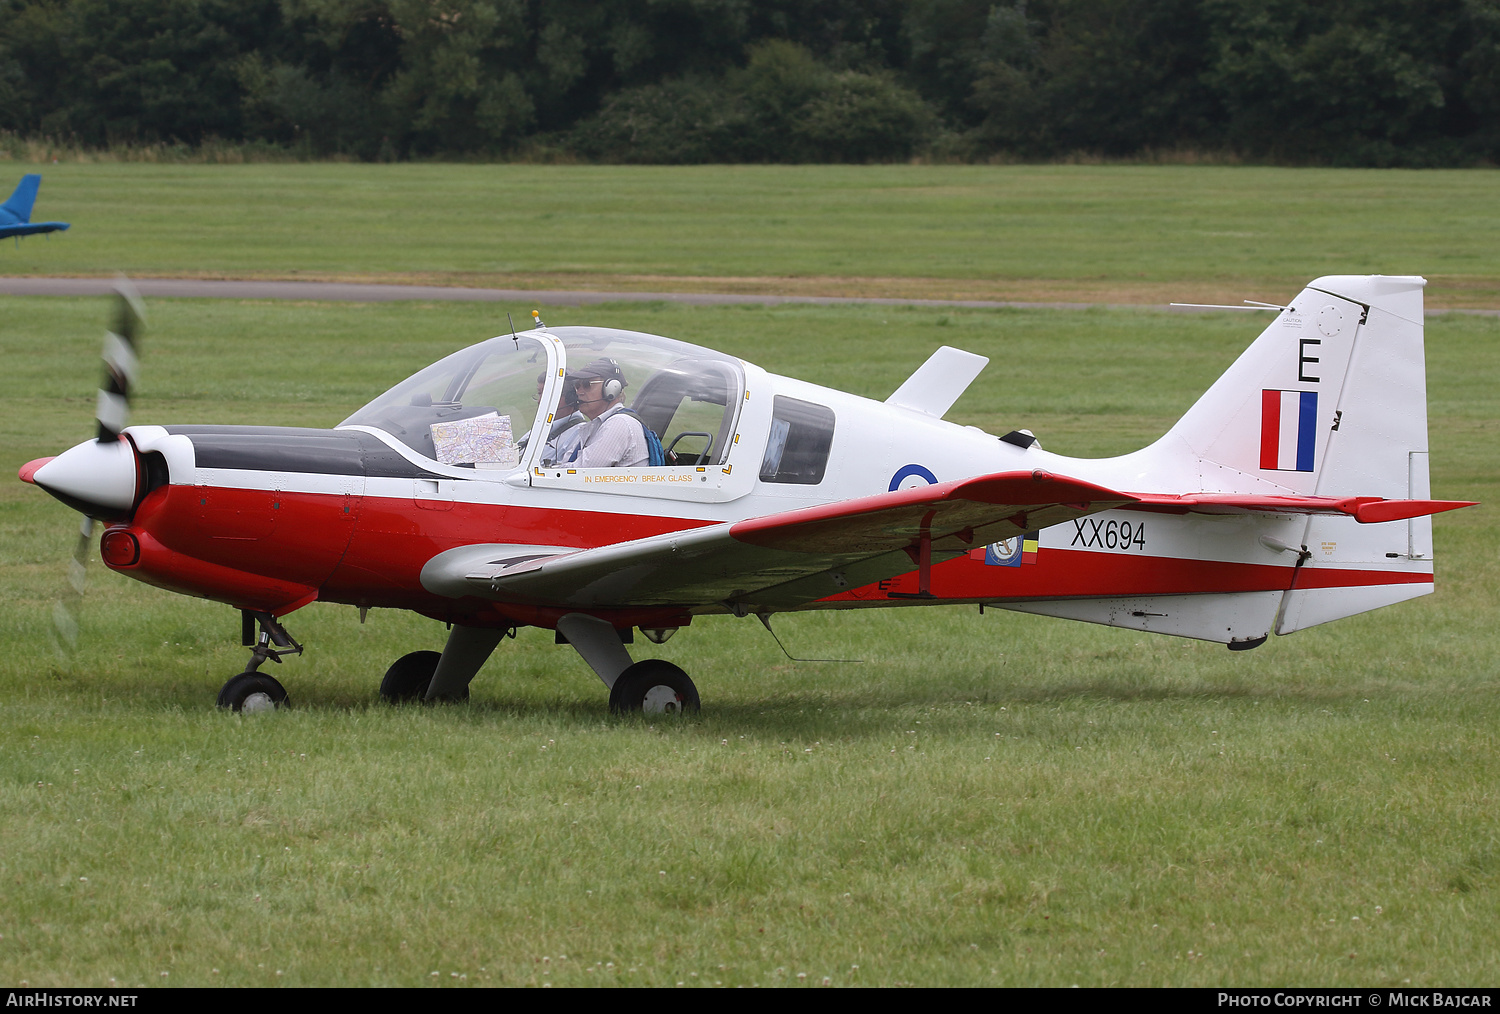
(1303, 359)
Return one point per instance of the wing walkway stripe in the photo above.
(356, 292)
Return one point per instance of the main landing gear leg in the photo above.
(252, 690)
(599, 644)
(429, 676)
(467, 649)
(652, 686)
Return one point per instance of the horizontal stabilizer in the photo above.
(1364, 509)
(32, 228)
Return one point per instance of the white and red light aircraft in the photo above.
(1294, 492)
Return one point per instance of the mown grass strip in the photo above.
(1109, 234)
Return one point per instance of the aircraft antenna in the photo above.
(765, 621)
(513, 336)
(1225, 306)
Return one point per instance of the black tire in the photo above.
(653, 687)
(252, 692)
(409, 677)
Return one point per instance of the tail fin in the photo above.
(19, 203)
(1330, 400)
(1381, 449)
(1271, 419)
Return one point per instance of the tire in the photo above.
(252, 692)
(653, 687)
(409, 677)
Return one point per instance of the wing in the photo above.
(779, 561)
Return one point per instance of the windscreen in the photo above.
(474, 409)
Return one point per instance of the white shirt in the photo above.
(614, 440)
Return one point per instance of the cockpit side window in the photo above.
(689, 405)
(689, 397)
(797, 448)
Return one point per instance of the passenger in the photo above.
(563, 447)
(566, 418)
(613, 437)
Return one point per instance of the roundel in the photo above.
(907, 474)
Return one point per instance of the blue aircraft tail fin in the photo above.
(19, 204)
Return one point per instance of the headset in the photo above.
(614, 385)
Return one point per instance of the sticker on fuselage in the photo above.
(1010, 552)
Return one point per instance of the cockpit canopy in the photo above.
(479, 407)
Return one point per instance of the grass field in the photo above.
(997, 799)
(1111, 234)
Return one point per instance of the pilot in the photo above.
(612, 437)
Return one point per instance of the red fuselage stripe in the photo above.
(1084, 574)
(368, 550)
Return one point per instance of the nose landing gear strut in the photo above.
(252, 690)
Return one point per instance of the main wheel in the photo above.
(653, 687)
(251, 692)
(409, 677)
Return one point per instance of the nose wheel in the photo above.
(653, 687)
(252, 691)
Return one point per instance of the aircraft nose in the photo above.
(96, 478)
(29, 469)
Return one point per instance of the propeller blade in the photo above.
(121, 368)
(70, 603)
(121, 362)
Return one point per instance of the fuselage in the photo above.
(271, 518)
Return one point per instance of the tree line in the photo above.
(1341, 82)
